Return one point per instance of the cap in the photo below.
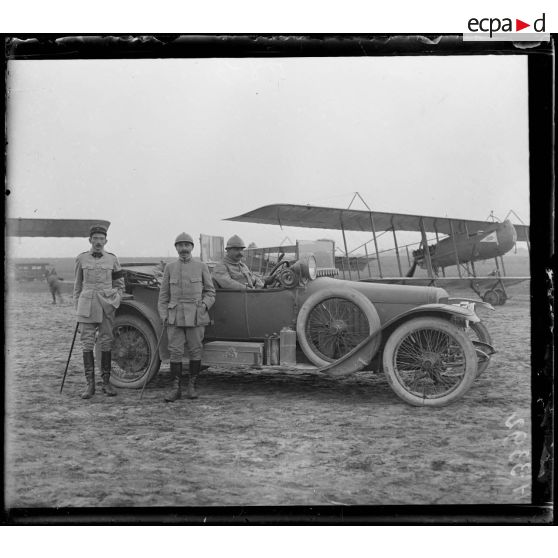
(97, 229)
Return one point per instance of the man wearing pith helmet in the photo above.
(185, 297)
(232, 273)
(98, 288)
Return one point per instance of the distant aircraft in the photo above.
(52, 227)
(464, 242)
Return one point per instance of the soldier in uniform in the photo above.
(98, 287)
(186, 295)
(232, 273)
(53, 283)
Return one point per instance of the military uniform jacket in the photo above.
(98, 286)
(187, 293)
(235, 275)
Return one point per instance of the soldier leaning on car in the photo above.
(186, 295)
(98, 288)
(232, 273)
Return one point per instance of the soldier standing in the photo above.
(53, 283)
(98, 288)
(232, 273)
(186, 295)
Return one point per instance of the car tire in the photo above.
(425, 349)
(480, 333)
(333, 321)
(134, 361)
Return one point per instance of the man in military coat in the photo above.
(98, 288)
(186, 295)
(231, 272)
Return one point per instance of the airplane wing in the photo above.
(455, 282)
(52, 227)
(316, 217)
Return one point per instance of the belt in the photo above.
(188, 299)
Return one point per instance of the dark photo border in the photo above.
(541, 174)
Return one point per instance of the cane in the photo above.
(69, 357)
(155, 355)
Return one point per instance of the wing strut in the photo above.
(376, 244)
(397, 251)
(426, 250)
(454, 247)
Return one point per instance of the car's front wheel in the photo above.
(429, 361)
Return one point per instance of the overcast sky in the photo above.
(158, 147)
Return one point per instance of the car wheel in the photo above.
(429, 362)
(133, 352)
(334, 321)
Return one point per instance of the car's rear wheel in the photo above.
(134, 358)
(332, 322)
(429, 362)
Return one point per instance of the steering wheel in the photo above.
(272, 277)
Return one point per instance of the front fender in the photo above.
(446, 310)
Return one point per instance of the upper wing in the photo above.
(52, 227)
(359, 220)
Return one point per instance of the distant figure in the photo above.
(98, 288)
(159, 269)
(53, 283)
(231, 273)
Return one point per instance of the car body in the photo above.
(341, 326)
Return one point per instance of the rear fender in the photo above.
(465, 301)
(150, 315)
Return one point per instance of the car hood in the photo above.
(382, 292)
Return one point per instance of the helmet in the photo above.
(184, 237)
(235, 242)
(97, 229)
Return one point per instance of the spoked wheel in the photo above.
(429, 362)
(501, 296)
(133, 351)
(332, 322)
(491, 297)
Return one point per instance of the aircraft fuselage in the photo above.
(495, 241)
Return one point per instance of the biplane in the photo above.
(453, 242)
(52, 227)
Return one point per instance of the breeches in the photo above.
(87, 332)
(192, 336)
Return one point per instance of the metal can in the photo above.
(287, 352)
(274, 352)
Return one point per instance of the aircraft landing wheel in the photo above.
(501, 296)
(491, 297)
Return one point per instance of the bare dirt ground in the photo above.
(258, 437)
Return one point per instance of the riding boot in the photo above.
(176, 375)
(106, 359)
(89, 366)
(195, 366)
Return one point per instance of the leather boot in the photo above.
(106, 359)
(195, 366)
(176, 375)
(89, 366)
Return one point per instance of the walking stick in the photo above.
(155, 355)
(69, 357)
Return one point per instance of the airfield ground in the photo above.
(258, 437)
